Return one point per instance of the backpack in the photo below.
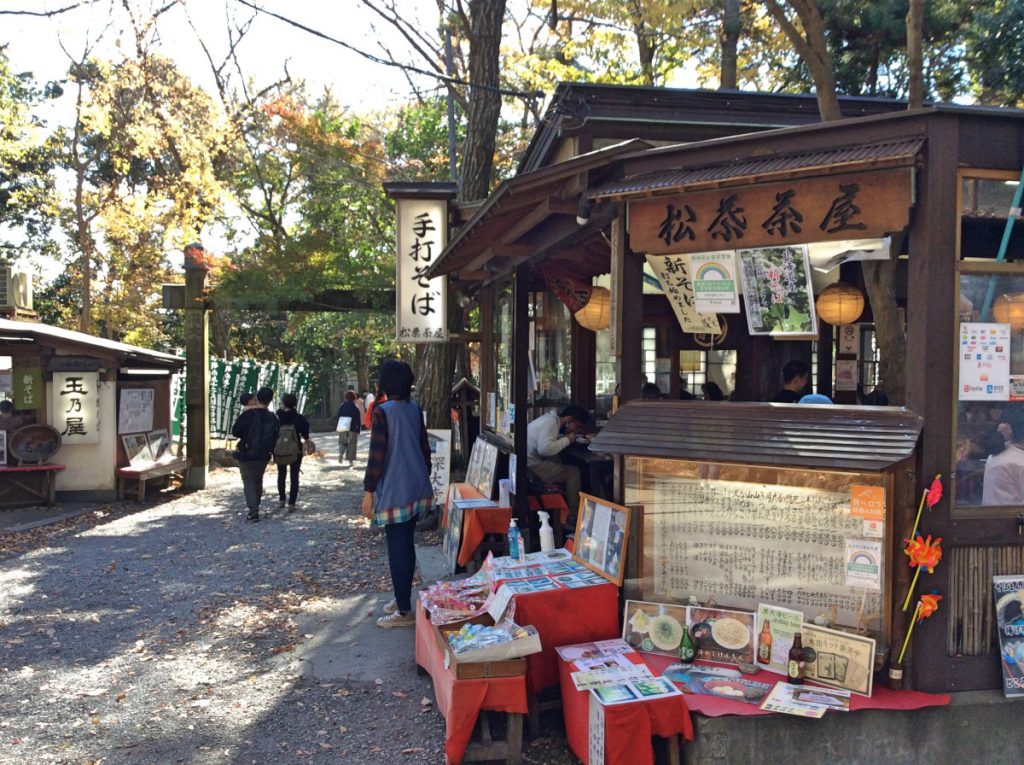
(260, 436)
(286, 449)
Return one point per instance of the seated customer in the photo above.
(545, 439)
(795, 376)
(650, 392)
(1004, 472)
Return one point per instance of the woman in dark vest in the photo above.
(397, 482)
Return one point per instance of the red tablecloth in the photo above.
(477, 521)
(627, 727)
(565, 617)
(882, 696)
(460, 701)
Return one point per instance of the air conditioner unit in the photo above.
(16, 289)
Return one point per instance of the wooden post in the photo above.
(520, 392)
(628, 278)
(197, 367)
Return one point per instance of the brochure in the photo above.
(781, 699)
(600, 678)
(717, 681)
(638, 690)
(593, 650)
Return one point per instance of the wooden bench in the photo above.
(22, 485)
(145, 473)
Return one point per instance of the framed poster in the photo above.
(722, 635)
(135, 413)
(476, 454)
(654, 627)
(452, 536)
(159, 445)
(778, 292)
(136, 446)
(488, 466)
(839, 659)
(602, 531)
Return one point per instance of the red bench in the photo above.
(145, 473)
(22, 485)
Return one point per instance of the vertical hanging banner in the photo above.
(673, 273)
(421, 314)
(28, 388)
(73, 407)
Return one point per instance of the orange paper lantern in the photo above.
(597, 313)
(840, 303)
(1009, 309)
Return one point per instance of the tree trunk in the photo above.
(880, 282)
(812, 49)
(730, 43)
(486, 16)
(915, 59)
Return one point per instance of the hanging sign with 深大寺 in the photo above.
(421, 313)
(715, 282)
(984, 361)
(673, 273)
(825, 209)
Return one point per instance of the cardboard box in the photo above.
(467, 670)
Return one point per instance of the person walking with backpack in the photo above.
(290, 446)
(348, 439)
(397, 482)
(257, 428)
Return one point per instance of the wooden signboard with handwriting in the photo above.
(830, 208)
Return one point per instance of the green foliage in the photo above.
(995, 49)
(27, 154)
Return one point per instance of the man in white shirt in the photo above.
(1004, 472)
(544, 441)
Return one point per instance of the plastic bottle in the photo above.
(514, 540)
(547, 534)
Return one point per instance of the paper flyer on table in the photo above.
(594, 650)
(781, 700)
(638, 690)
(600, 678)
(604, 662)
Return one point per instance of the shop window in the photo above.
(495, 401)
(984, 206)
(551, 352)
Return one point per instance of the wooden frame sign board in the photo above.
(602, 532)
(840, 659)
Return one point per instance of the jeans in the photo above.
(252, 482)
(402, 561)
(293, 489)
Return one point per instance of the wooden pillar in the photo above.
(584, 379)
(930, 369)
(520, 391)
(628, 314)
(197, 368)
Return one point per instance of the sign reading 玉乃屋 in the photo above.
(74, 407)
(421, 314)
(829, 208)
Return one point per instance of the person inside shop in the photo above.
(546, 437)
(712, 392)
(650, 392)
(684, 388)
(1003, 483)
(795, 377)
(396, 485)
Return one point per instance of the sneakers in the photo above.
(253, 517)
(397, 619)
(391, 606)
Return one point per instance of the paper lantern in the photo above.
(1009, 309)
(840, 303)
(597, 313)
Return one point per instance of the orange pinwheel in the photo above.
(928, 605)
(924, 552)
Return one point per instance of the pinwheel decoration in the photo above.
(923, 553)
(926, 606)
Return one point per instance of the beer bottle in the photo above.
(687, 650)
(795, 666)
(764, 643)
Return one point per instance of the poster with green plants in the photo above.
(777, 291)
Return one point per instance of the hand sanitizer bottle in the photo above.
(514, 541)
(547, 534)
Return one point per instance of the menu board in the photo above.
(749, 543)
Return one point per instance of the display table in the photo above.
(628, 727)
(461, 701)
(565, 617)
(882, 697)
(22, 485)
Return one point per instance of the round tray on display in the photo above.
(34, 443)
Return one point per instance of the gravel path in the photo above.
(174, 632)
